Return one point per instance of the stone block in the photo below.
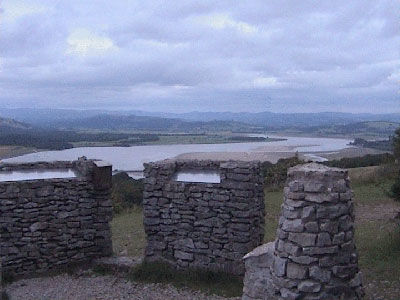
(293, 225)
(320, 274)
(296, 271)
(183, 255)
(303, 239)
(309, 286)
(102, 175)
(279, 266)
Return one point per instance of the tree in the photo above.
(396, 151)
(396, 144)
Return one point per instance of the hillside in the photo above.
(284, 120)
(369, 130)
(10, 125)
(374, 127)
(49, 117)
(143, 123)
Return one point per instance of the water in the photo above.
(198, 176)
(36, 174)
(132, 158)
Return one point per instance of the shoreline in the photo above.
(7, 152)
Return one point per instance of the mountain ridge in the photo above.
(49, 117)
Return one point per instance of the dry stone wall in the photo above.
(53, 222)
(314, 255)
(203, 225)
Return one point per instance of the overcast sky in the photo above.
(281, 56)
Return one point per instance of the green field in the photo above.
(368, 130)
(377, 235)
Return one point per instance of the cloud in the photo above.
(263, 82)
(221, 21)
(84, 42)
(13, 10)
(201, 55)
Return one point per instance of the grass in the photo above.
(273, 201)
(377, 239)
(208, 282)
(128, 233)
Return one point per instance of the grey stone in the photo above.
(293, 225)
(330, 226)
(304, 260)
(290, 213)
(38, 226)
(340, 186)
(320, 198)
(324, 239)
(296, 271)
(260, 257)
(183, 255)
(338, 238)
(320, 250)
(184, 243)
(311, 227)
(356, 281)
(287, 247)
(295, 203)
(288, 294)
(279, 266)
(314, 187)
(303, 239)
(296, 186)
(309, 286)
(319, 274)
(308, 213)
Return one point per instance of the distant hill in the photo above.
(144, 123)
(44, 117)
(49, 117)
(10, 125)
(285, 120)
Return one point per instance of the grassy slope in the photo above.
(11, 151)
(128, 233)
(377, 235)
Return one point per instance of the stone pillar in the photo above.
(102, 185)
(315, 255)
